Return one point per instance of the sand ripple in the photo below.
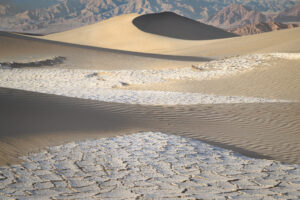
(269, 130)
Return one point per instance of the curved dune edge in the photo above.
(147, 165)
(172, 25)
(117, 33)
(120, 33)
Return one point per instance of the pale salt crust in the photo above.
(148, 165)
(99, 84)
(288, 56)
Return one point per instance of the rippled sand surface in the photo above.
(31, 121)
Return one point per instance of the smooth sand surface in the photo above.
(120, 33)
(278, 79)
(30, 121)
(286, 41)
(18, 48)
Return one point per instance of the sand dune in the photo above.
(24, 49)
(172, 25)
(30, 121)
(120, 33)
(285, 41)
(99, 58)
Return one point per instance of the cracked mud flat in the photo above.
(147, 165)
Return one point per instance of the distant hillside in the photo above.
(290, 15)
(236, 15)
(261, 27)
(46, 16)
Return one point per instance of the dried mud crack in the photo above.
(147, 165)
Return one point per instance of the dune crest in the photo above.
(116, 33)
(122, 33)
(172, 25)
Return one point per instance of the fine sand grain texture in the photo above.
(276, 79)
(265, 130)
(120, 33)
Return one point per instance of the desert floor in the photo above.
(149, 116)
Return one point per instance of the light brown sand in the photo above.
(286, 41)
(280, 80)
(117, 33)
(30, 121)
(18, 48)
(120, 33)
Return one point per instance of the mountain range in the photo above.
(261, 27)
(289, 15)
(236, 15)
(47, 16)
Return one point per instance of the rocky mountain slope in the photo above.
(290, 15)
(261, 27)
(236, 15)
(58, 15)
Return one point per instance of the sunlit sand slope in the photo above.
(121, 33)
(23, 49)
(118, 33)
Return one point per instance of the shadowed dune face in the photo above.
(32, 120)
(172, 25)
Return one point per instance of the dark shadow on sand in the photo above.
(25, 114)
(172, 25)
